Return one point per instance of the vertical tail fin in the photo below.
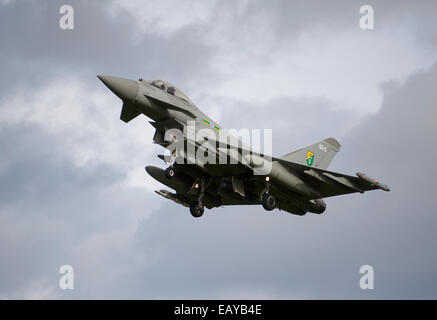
(318, 155)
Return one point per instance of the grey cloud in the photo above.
(294, 122)
(49, 207)
(38, 49)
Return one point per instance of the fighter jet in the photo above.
(296, 182)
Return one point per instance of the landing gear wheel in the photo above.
(170, 172)
(268, 201)
(197, 209)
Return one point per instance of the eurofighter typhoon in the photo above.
(214, 169)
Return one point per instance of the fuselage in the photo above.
(296, 182)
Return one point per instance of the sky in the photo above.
(73, 190)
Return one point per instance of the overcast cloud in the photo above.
(73, 189)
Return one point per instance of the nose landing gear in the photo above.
(268, 200)
(197, 209)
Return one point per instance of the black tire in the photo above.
(268, 201)
(196, 209)
(170, 172)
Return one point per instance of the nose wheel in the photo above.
(268, 201)
(197, 209)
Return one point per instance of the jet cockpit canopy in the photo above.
(170, 89)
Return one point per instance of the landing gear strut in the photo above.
(268, 200)
(197, 208)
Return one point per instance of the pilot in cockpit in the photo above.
(159, 83)
(170, 89)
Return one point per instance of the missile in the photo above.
(314, 206)
(172, 196)
(373, 181)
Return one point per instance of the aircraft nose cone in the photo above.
(125, 89)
